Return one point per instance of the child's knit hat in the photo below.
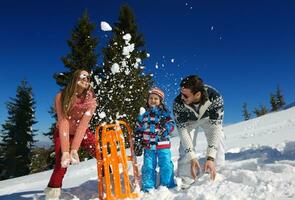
(158, 92)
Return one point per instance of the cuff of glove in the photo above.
(210, 158)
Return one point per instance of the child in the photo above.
(152, 134)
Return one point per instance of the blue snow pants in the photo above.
(148, 170)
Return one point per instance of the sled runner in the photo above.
(112, 166)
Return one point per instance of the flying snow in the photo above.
(115, 68)
(102, 115)
(105, 26)
(141, 110)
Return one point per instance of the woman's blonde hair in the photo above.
(68, 94)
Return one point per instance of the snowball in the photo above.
(142, 110)
(105, 26)
(148, 55)
(128, 49)
(172, 60)
(127, 37)
(115, 68)
(102, 115)
(124, 63)
(127, 71)
(138, 60)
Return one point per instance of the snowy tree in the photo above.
(82, 45)
(18, 133)
(124, 87)
(246, 113)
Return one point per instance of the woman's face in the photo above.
(84, 80)
(154, 100)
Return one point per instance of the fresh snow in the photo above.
(142, 110)
(128, 49)
(115, 68)
(260, 164)
(105, 26)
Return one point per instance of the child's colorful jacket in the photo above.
(154, 128)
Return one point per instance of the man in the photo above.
(198, 105)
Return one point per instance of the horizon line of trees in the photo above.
(277, 102)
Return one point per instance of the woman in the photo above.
(74, 107)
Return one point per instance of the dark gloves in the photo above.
(138, 149)
(138, 144)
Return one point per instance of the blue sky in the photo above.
(242, 48)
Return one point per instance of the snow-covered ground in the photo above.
(260, 164)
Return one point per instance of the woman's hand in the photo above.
(65, 160)
(74, 156)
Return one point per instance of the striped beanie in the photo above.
(158, 92)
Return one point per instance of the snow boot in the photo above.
(52, 193)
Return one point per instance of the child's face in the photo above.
(154, 100)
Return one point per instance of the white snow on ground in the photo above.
(260, 164)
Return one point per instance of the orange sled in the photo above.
(111, 156)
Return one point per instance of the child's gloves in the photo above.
(163, 132)
(138, 149)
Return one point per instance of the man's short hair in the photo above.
(194, 83)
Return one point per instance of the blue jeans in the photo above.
(148, 171)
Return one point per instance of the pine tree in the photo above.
(124, 86)
(262, 110)
(18, 133)
(82, 45)
(246, 113)
(280, 98)
(40, 160)
(257, 112)
(273, 103)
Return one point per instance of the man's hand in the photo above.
(210, 167)
(195, 167)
